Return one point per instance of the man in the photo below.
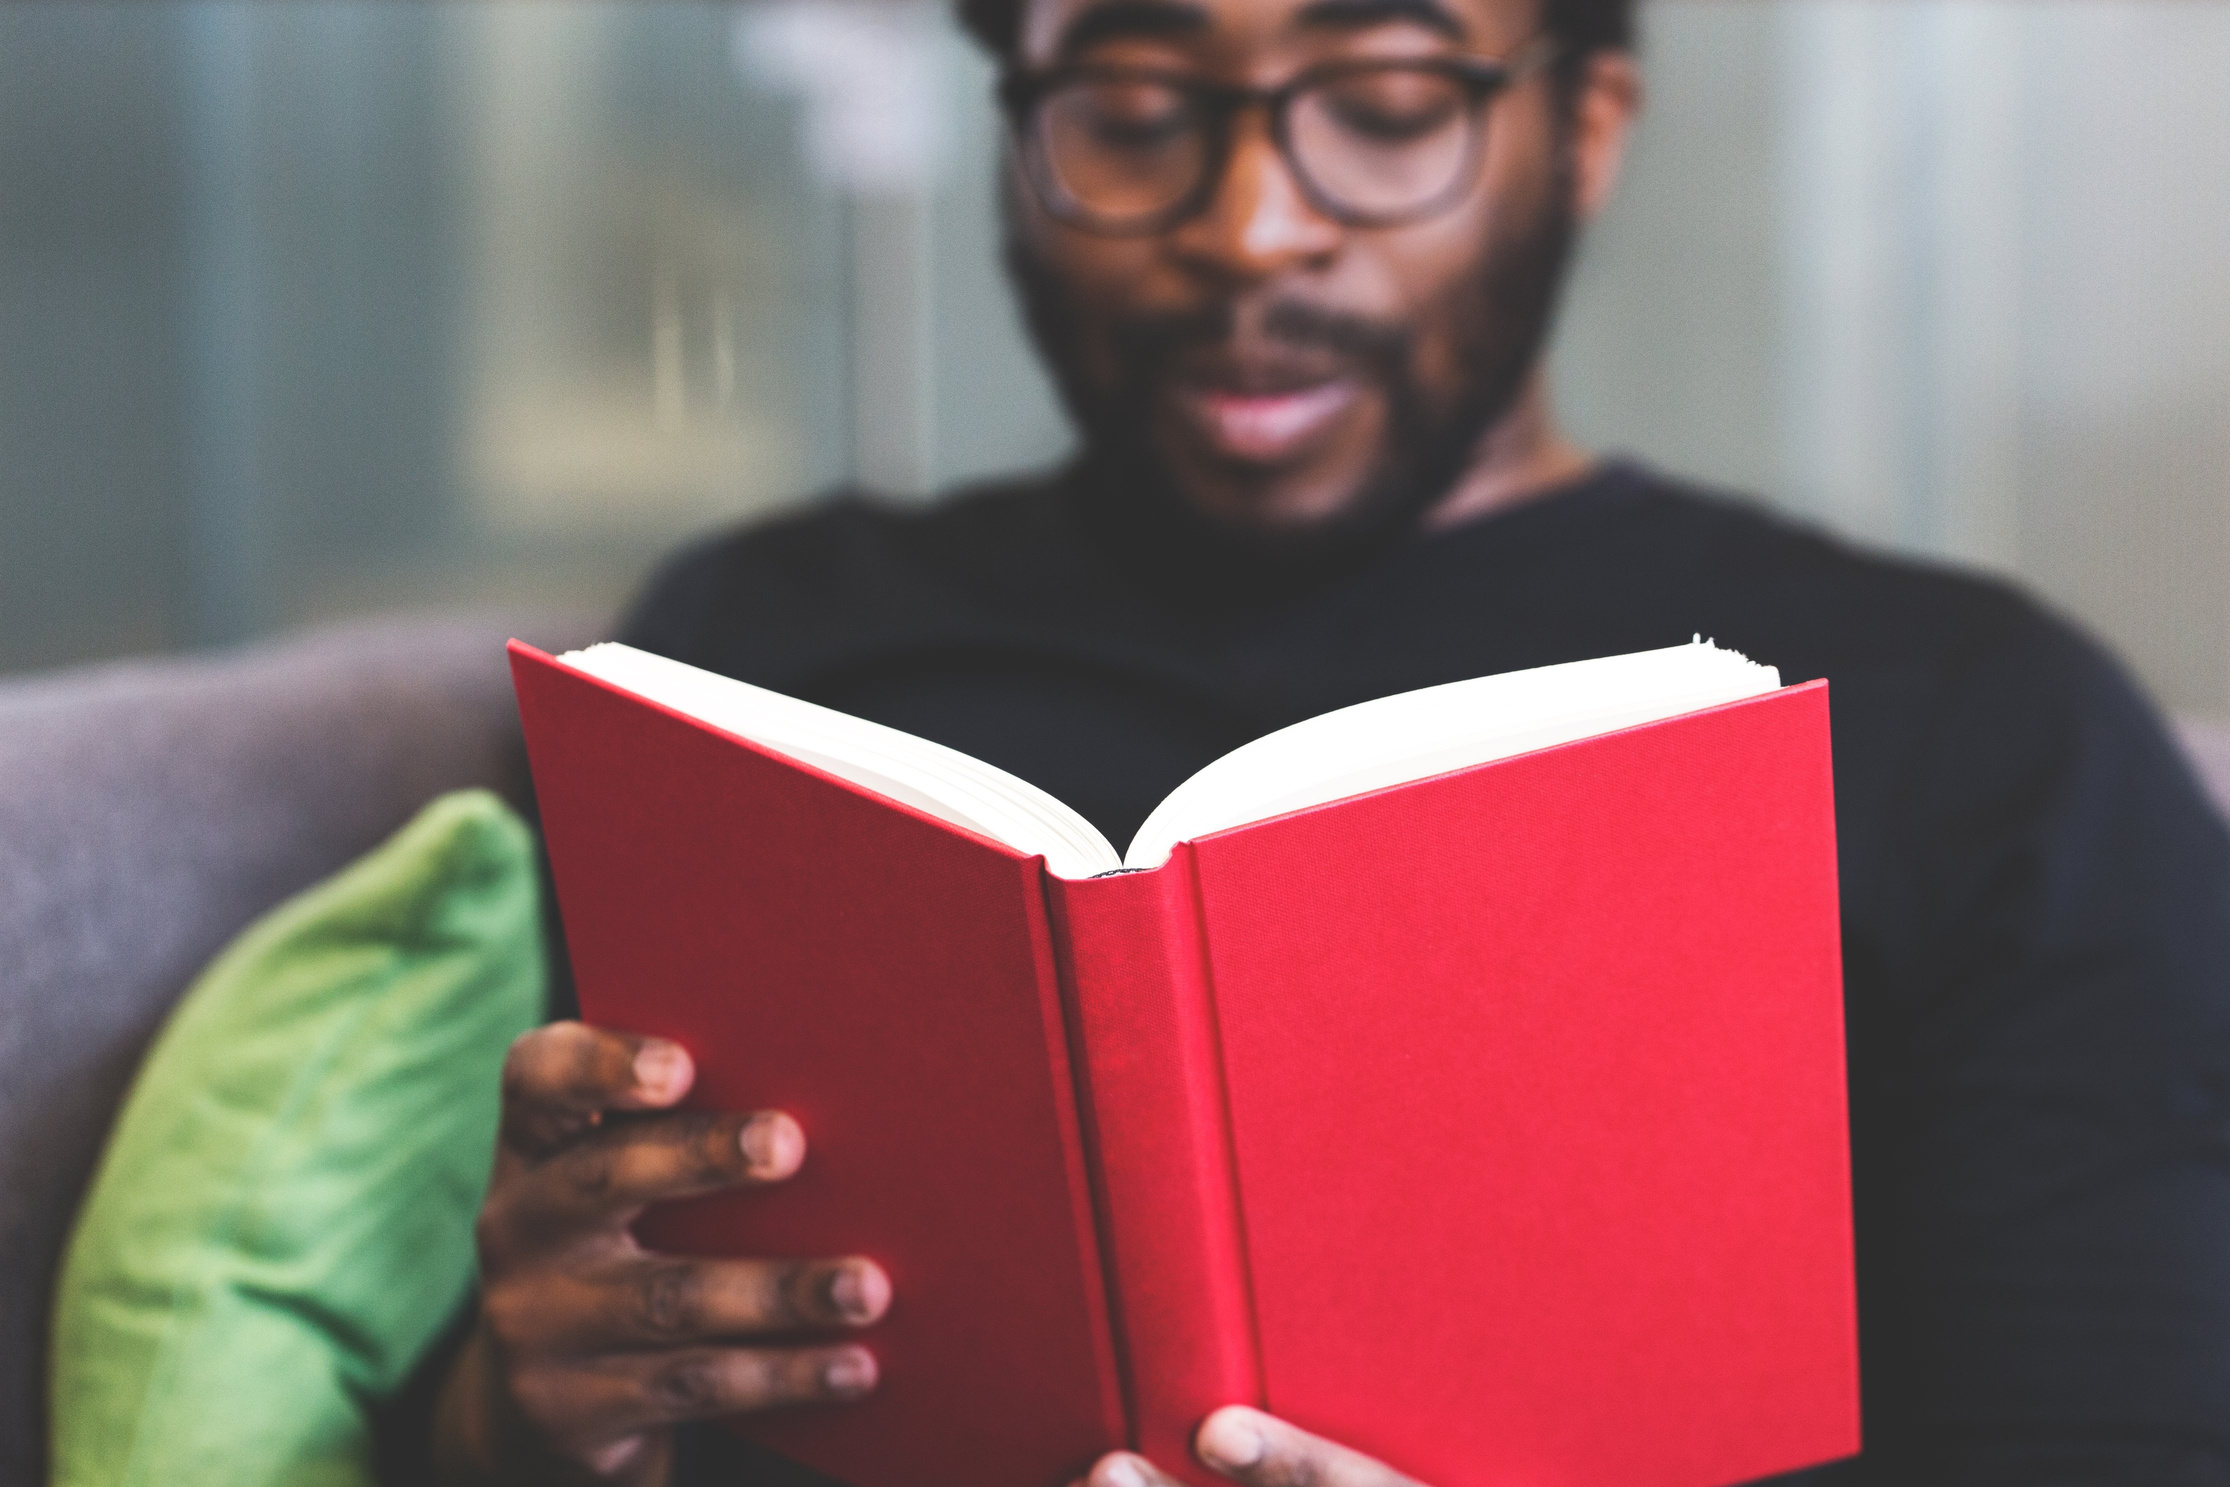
(1293, 263)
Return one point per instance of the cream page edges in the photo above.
(1350, 751)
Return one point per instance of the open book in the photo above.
(1337, 754)
(1458, 1074)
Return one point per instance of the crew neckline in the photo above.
(1181, 559)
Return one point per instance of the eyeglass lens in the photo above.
(1374, 143)
(1124, 149)
(1383, 143)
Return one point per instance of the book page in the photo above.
(1347, 752)
(940, 782)
(1436, 729)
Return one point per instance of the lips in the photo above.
(1258, 425)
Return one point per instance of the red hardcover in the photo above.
(1492, 1123)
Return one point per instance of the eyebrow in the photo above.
(1358, 15)
(1112, 19)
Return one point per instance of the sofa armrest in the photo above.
(150, 810)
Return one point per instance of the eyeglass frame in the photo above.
(1485, 78)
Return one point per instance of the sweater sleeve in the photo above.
(2041, 1096)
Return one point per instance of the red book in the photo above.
(1488, 1119)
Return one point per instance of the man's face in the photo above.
(1282, 371)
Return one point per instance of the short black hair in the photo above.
(1579, 27)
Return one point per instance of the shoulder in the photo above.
(1988, 751)
(1818, 604)
(1956, 694)
(1851, 612)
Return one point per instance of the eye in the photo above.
(1129, 115)
(1392, 108)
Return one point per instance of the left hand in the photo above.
(1257, 1450)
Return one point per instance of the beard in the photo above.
(1500, 310)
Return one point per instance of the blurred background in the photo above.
(336, 306)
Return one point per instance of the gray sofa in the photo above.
(150, 810)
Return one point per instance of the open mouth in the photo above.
(1263, 421)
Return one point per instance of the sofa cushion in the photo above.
(283, 1217)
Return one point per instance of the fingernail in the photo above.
(1121, 1471)
(660, 1068)
(1228, 1440)
(859, 1292)
(772, 1144)
(849, 1373)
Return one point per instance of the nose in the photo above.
(1259, 223)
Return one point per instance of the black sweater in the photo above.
(2036, 897)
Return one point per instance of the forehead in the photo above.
(1054, 30)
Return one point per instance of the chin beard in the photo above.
(1502, 313)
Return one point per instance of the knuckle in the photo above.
(533, 1317)
(587, 1060)
(508, 1231)
(544, 1109)
(566, 1064)
(702, 1144)
(692, 1385)
(504, 1310)
(644, 1159)
(537, 1394)
(716, 1149)
(668, 1300)
(685, 1151)
(781, 1294)
(589, 1174)
(1294, 1464)
(532, 1059)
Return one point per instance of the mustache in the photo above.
(1294, 324)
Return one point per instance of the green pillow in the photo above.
(283, 1219)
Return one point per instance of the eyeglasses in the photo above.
(1372, 143)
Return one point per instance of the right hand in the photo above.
(589, 1349)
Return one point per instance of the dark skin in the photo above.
(589, 1350)
(1261, 242)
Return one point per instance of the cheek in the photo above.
(1431, 273)
(1093, 267)
(1440, 267)
(1097, 280)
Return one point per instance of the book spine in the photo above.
(1134, 970)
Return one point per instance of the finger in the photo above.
(1263, 1451)
(626, 1394)
(1122, 1469)
(612, 1174)
(663, 1301)
(597, 1185)
(559, 1080)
